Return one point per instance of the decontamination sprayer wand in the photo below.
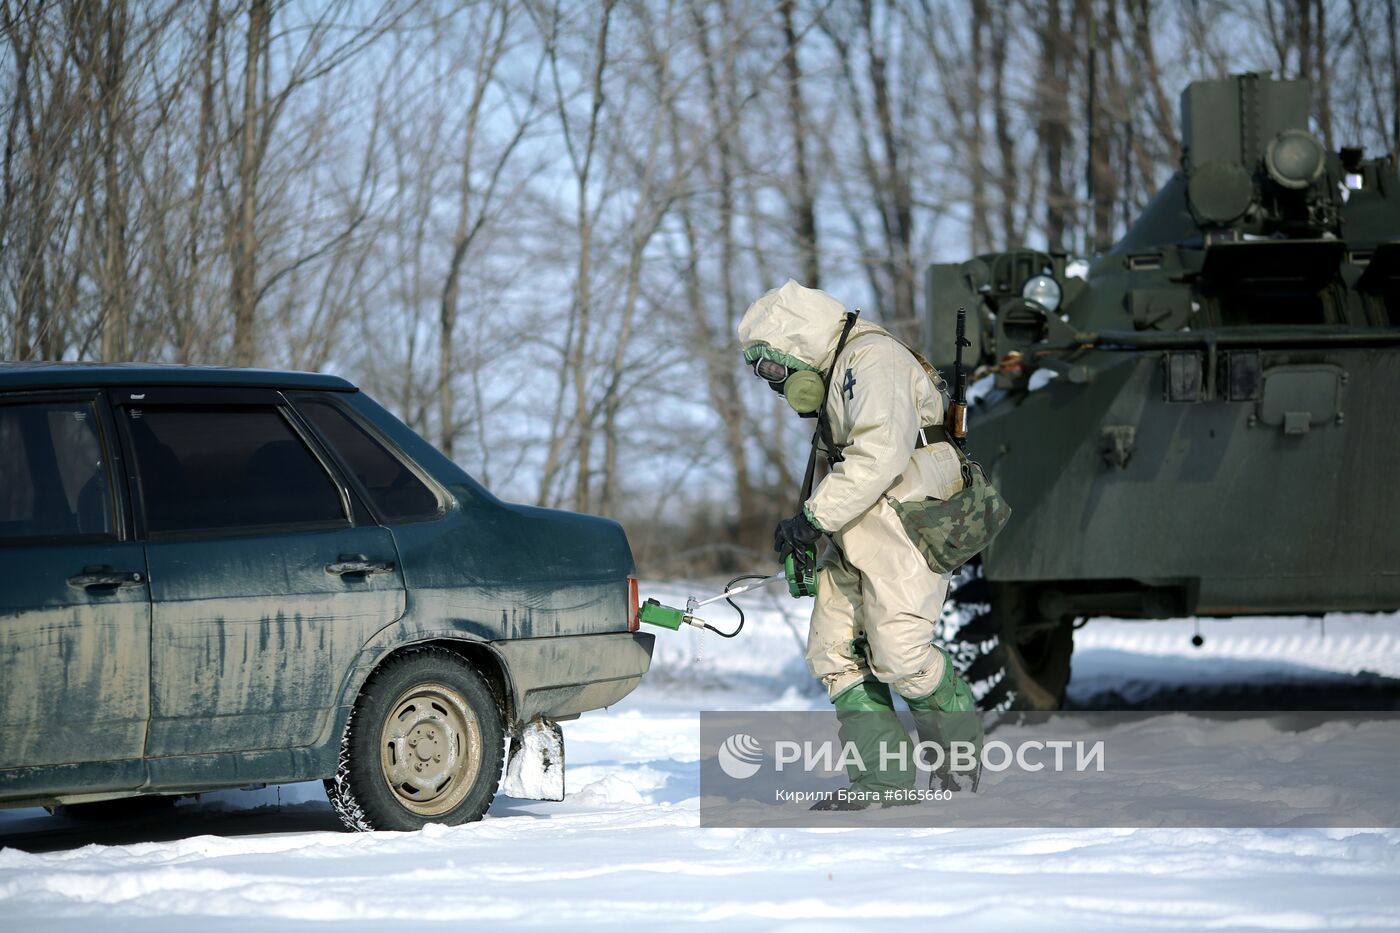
(801, 581)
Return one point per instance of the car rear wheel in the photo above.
(1012, 658)
(424, 744)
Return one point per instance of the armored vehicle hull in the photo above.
(1202, 421)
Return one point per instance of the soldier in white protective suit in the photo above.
(877, 601)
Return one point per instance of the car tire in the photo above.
(424, 744)
(1011, 660)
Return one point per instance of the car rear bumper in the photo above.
(566, 675)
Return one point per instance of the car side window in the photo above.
(398, 495)
(53, 479)
(227, 469)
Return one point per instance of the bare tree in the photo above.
(474, 204)
(256, 125)
(1053, 125)
(864, 44)
(322, 45)
(803, 196)
(529, 226)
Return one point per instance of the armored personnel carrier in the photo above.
(1202, 421)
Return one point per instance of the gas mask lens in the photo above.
(770, 371)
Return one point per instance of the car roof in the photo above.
(49, 375)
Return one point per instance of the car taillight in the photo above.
(634, 619)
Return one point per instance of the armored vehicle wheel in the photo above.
(1011, 658)
(424, 744)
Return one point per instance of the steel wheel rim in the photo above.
(429, 749)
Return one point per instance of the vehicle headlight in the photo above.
(1043, 290)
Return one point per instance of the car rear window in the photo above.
(53, 481)
(398, 495)
(204, 469)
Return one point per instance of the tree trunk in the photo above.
(490, 51)
(981, 229)
(803, 200)
(1103, 180)
(188, 313)
(1009, 194)
(447, 326)
(1053, 125)
(116, 311)
(897, 197)
(583, 289)
(1392, 20)
(245, 236)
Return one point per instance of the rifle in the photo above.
(957, 410)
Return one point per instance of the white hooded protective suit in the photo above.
(879, 588)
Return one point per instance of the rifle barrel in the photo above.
(957, 411)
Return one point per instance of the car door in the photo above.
(266, 577)
(74, 603)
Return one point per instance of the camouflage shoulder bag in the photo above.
(950, 532)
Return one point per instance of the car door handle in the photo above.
(357, 565)
(105, 578)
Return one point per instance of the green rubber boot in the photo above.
(947, 715)
(867, 719)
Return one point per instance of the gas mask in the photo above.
(803, 389)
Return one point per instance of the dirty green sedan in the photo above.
(217, 578)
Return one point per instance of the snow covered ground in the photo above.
(625, 848)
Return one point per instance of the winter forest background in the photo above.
(529, 228)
